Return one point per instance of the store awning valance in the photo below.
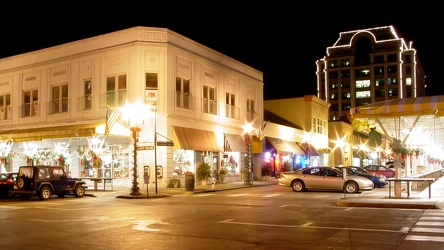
(38, 134)
(282, 146)
(426, 105)
(308, 148)
(234, 143)
(294, 147)
(195, 139)
(360, 154)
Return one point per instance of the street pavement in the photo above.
(378, 197)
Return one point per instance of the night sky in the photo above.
(281, 40)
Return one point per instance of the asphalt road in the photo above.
(268, 217)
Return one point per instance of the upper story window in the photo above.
(362, 84)
(379, 70)
(345, 62)
(87, 97)
(392, 69)
(378, 59)
(183, 93)
(30, 103)
(408, 70)
(391, 81)
(230, 106)
(116, 90)
(362, 94)
(333, 96)
(59, 102)
(5, 106)
(379, 82)
(408, 81)
(250, 110)
(362, 72)
(333, 75)
(319, 125)
(151, 90)
(345, 73)
(333, 64)
(209, 104)
(346, 95)
(392, 57)
(333, 85)
(345, 85)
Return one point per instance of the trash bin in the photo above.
(189, 182)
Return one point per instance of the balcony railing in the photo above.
(183, 101)
(30, 109)
(232, 112)
(5, 113)
(209, 107)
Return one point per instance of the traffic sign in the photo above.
(145, 147)
(165, 143)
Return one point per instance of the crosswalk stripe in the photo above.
(424, 238)
(427, 230)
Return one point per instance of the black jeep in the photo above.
(45, 181)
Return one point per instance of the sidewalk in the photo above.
(378, 197)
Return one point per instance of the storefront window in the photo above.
(182, 161)
(231, 163)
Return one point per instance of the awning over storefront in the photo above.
(294, 147)
(392, 117)
(195, 139)
(37, 134)
(360, 154)
(308, 148)
(234, 143)
(282, 146)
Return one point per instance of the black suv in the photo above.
(45, 181)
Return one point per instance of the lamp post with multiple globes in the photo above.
(135, 114)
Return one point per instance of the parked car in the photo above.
(378, 180)
(45, 181)
(323, 178)
(7, 181)
(380, 170)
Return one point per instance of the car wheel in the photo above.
(21, 182)
(298, 186)
(351, 187)
(79, 191)
(45, 193)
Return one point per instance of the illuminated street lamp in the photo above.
(248, 171)
(135, 115)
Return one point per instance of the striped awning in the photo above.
(308, 148)
(38, 134)
(426, 105)
(283, 146)
(392, 117)
(195, 139)
(234, 143)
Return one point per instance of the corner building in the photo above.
(367, 66)
(54, 105)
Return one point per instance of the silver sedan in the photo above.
(324, 178)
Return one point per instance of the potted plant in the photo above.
(203, 172)
(222, 173)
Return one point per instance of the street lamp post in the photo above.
(135, 188)
(135, 115)
(248, 172)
